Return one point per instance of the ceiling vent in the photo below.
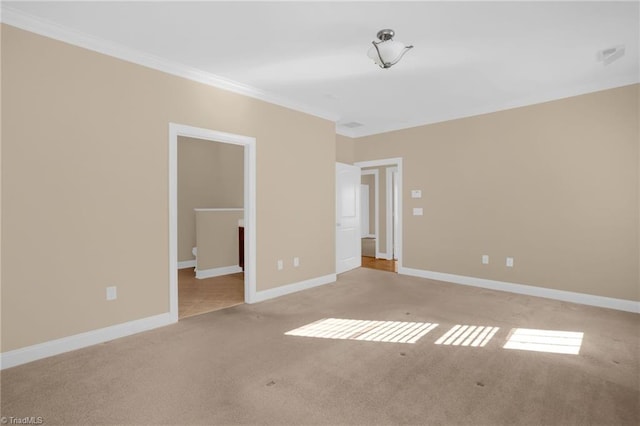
(352, 124)
(611, 54)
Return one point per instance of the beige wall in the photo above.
(85, 186)
(217, 237)
(553, 185)
(345, 149)
(210, 175)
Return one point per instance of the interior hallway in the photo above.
(197, 297)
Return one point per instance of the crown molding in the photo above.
(19, 19)
(43, 27)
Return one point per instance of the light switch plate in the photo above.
(417, 211)
(416, 193)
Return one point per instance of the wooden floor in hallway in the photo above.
(197, 297)
(380, 264)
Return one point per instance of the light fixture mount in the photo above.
(387, 52)
(384, 35)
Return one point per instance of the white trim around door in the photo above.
(391, 230)
(249, 144)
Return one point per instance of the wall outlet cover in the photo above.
(112, 293)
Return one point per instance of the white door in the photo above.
(348, 244)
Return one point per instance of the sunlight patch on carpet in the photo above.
(560, 342)
(467, 335)
(371, 331)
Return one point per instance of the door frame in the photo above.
(390, 162)
(249, 144)
(392, 211)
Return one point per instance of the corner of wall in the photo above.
(345, 149)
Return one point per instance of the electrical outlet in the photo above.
(510, 262)
(417, 211)
(280, 265)
(485, 259)
(112, 293)
(296, 262)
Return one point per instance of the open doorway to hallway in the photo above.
(210, 224)
(381, 218)
(230, 226)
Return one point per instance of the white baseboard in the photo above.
(548, 293)
(82, 340)
(260, 296)
(187, 264)
(217, 272)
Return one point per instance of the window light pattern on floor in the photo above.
(560, 342)
(467, 335)
(372, 331)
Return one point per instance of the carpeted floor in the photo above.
(236, 366)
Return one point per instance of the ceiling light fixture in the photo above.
(610, 55)
(387, 51)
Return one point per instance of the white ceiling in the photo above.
(469, 58)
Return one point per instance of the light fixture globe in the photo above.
(387, 52)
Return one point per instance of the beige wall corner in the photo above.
(85, 188)
(554, 185)
(345, 149)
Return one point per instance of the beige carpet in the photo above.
(237, 366)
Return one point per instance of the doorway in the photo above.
(383, 179)
(248, 216)
(210, 213)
